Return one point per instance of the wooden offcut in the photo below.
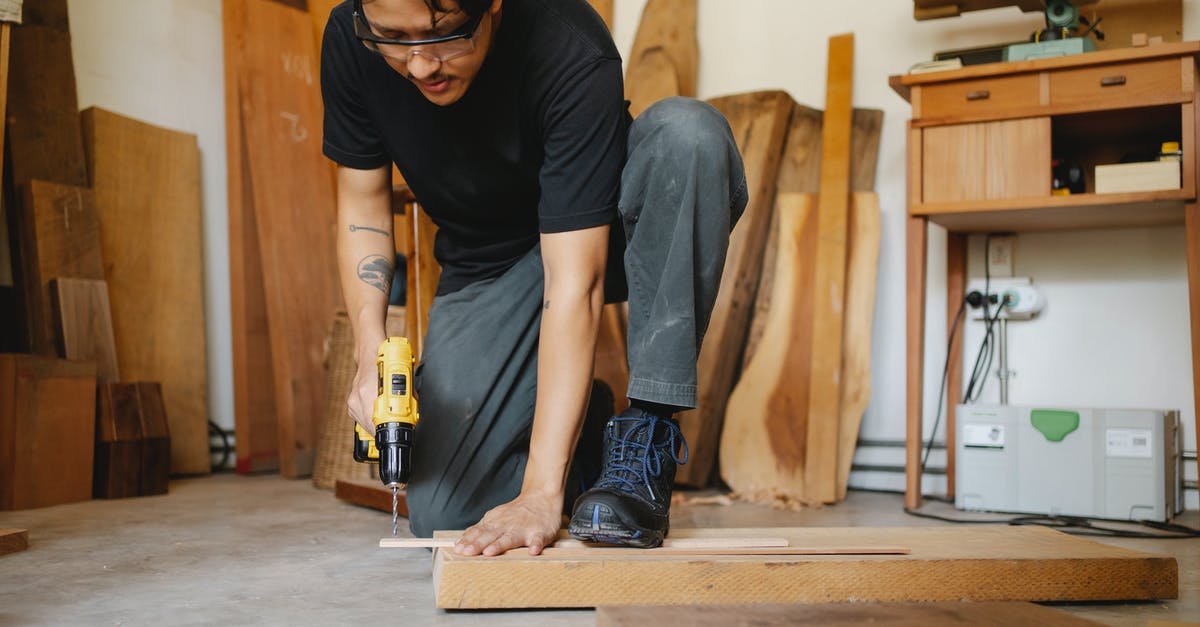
(370, 493)
(291, 188)
(57, 236)
(43, 133)
(946, 564)
(156, 440)
(759, 122)
(47, 430)
(665, 57)
(147, 185)
(985, 614)
(829, 276)
(118, 442)
(13, 540)
(83, 322)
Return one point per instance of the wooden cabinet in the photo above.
(980, 147)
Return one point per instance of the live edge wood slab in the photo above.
(946, 564)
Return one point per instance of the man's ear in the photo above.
(496, 11)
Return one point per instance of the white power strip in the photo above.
(1022, 299)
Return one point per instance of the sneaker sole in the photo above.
(602, 524)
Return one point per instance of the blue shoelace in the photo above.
(630, 460)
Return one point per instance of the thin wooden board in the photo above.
(986, 614)
(829, 277)
(665, 54)
(946, 564)
(566, 542)
(415, 240)
(44, 139)
(147, 184)
(369, 493)
(83, 320)
(759, 122)
(58, 236)
(255, 417)
(13, 540)
(6, 276)
(295, 213)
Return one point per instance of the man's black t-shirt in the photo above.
(536, 145)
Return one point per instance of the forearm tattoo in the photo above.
(546, 305)
(358, 227)
(376, 271)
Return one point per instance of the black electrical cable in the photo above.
(942, 391)
(1075, 525)
(226, 449)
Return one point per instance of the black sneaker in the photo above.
(631, 502)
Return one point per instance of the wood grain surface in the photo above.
(294, 211)
(986, 614)
(759, 122)
(369, 493)
(147, 184)
(13, 540)
(1001, 563)
(83, 321)
(665, 57)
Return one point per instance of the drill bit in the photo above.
(395, 511)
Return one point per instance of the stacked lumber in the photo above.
(67, 244)
(282, 224)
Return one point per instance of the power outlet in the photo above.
(1000, 255)
(1023, 300)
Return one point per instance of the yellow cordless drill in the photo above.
(395, 416)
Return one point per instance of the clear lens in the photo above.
(441, 53)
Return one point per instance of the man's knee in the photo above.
(681, 125)
(426, 516)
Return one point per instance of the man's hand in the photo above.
(363, 392)
(530, 520)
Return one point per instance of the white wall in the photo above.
(161, 62)
(1115, 332)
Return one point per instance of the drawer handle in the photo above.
(982, 94)
(1112, 81)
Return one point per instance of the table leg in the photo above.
(956, 286)
(1192, 229)
(917, 257)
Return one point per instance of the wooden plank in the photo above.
(118, 460)
(369, 493)
(1192, 231)
(956, 284)
(46, 404)
(156, 440)
(255, 418)
(759, 121)
(294, 209)
(986, 614)
(13, 540)
(1001, 563)
(423, 270)
(665, 54)
(58, 236)
(862, 268)
(6, 274)
(765, 441)
(83, 321)
(147, 184)
(44, 139)
(916, 241)
(829, 277)
(564, 542)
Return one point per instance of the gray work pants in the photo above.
(682, 189)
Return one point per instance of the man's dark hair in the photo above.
(471, 7)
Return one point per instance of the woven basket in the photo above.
(334, 460)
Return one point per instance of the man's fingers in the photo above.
(501, 544)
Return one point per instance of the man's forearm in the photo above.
(366, 253)
(567, 346)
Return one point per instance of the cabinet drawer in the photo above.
(980, 98)
(1117, 86)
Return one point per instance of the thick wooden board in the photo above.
(156, 440)
(800, 173)
(665, 54)
(118, 460)
(369, 493)
(829, 277)
(946, 564)
(43, 112)
(255, 418)
(862, 268)
(759, 122)
(13, 540)
(986, 614)
(147, 184)
(83, 321)
(294, 210)
(58, 231)
(565, 542)
(46, 404)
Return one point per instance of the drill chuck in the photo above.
(394, 442)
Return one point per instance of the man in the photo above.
(507, 119)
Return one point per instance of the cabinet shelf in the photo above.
(1041, 213)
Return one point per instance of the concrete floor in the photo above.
(265, 550)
